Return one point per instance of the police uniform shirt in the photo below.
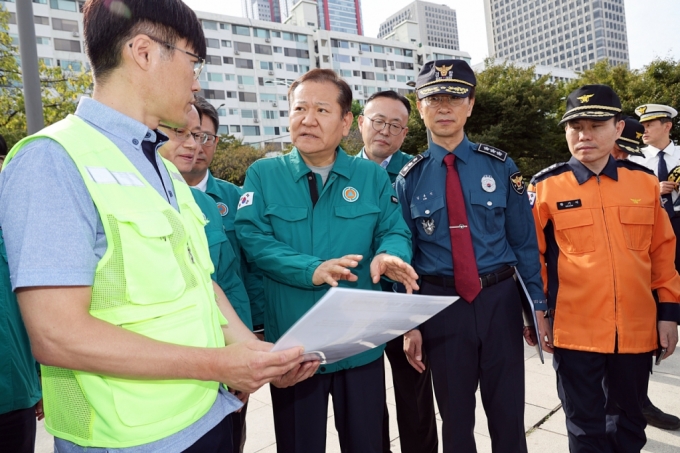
(671, 154)
(498, 211)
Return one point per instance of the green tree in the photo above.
(416, 138)
(516, 111)
(61, 89)
(232, 159)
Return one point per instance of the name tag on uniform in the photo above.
(568, 204)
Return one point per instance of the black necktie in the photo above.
(662, 172)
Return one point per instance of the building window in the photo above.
(213, 59)
(264, 50)
(215, 77)
(209, 25)
(66, 45)
(235, 129)
(242, 46)
(65, 5)
(240, 30)
(41, 20)
(227, 60)
(212, 94)
(251, 131)
(243, 63)
(247, 97)
(64, 24)
(70, 65)
(246, 80)
(261, 33)
(211, 42)
(226, 43)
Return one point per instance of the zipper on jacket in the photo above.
(191, 255)
(611, 256)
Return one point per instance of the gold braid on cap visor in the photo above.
(445, 81)
(651, 117)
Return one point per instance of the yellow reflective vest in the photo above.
(154, 279)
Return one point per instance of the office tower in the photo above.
(334, 15)
(572, 34)
(437, 24)
(268, 10)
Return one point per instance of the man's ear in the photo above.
(139, 52)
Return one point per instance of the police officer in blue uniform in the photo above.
(472, 196)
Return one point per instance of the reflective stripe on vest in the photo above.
(154, 279)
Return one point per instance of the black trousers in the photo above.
(478, 344)
(217, 440)
(415, 403)
(17, 431)
(238, 421)
(301, 411)
(602, 397)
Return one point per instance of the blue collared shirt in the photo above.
(498, 211)
(54, 236)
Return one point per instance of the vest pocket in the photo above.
(637, 223)
(143, 402)
(574, 231)
(150, 248)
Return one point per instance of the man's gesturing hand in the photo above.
(396, 269)
(336, 269)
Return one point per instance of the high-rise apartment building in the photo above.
(268, 10)
(573, 34)
(437, 24)
(250, 63)
(334, 15)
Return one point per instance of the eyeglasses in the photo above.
(211, 138)
(183, 135)
(439, 100)
(379, 125)
(198, 65)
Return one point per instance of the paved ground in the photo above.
(544, 419)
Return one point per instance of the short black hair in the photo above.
(326, 75)
(107, 25)
(666, 120)
(390, 95)
(3, 146)
(206, 109)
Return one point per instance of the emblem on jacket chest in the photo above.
(428, 226)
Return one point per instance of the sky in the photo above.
(652, 24)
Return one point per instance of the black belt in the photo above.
(485, 281)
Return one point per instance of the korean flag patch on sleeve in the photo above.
(245, 200)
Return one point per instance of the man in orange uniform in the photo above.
(606, 244)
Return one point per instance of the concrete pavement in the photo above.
(544, 418)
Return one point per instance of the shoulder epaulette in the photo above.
(410, 164)
(493, 152)
(630, 165)
(546, 172)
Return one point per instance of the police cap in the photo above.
(631, 137)
(592, 102)
(452, 77)
(649, 112)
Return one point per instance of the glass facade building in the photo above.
(571, 34)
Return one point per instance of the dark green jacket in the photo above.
(226, 195)
(19, 383)
(223, 258)
(399, 159)
(287, 238)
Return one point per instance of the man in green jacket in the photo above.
(224, 196)
(383, 127)
(19, 382)
(313, 219)
(181, 150)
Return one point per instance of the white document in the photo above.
(345, 322)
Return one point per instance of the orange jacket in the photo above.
(605, 244)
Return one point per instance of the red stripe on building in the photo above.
(358, 14)
(327, 15)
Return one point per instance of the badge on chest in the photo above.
(488, 183)
(428, 226)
